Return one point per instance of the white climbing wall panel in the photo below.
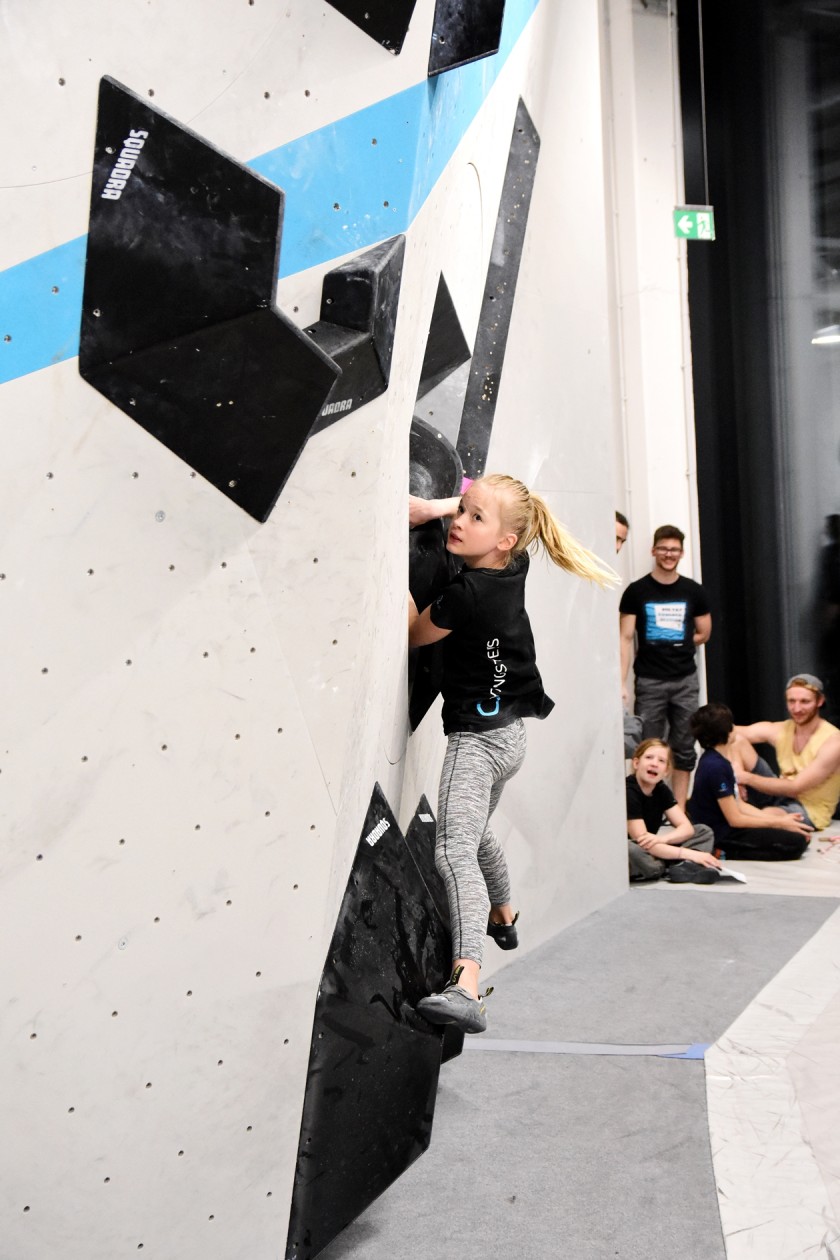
(195, 707)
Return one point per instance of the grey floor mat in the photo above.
(579, 1157)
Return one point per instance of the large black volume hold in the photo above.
(178, 328)
(374, 1062)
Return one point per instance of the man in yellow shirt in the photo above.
(807, 750)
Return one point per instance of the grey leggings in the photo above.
(467, 854)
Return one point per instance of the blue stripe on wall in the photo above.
(43, 325)
(348, 185)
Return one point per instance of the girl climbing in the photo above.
(490, 683)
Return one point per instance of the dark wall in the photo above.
(731, 339)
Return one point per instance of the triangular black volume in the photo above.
(386, 21)
(464, 31)
(387, 948)
(178, 329)
(374, 1063)
(420, 838)
(499, 292)
(357, 326)
(446, 345)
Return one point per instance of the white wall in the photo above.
(178, 830)
(657, 481)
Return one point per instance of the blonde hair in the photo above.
(528, 516)
(642, 748)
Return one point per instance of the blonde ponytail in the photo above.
(528, 516)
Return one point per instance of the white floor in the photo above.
(773, 1082)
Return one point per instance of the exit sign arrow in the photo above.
(694, 223)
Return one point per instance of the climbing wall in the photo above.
(205, 668)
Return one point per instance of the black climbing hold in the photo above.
(430, 569)
(178, 328)
(374, 1063)
(464, 31)
(499, 293)
(386, 21)
(357, 326)
(435, 472)
(446, 345)
(420, 838)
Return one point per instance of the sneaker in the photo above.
(454, 1006)
(692, 873)
(504, 934)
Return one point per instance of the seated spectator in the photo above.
(648, 798)
(807, 750)
(741, 831)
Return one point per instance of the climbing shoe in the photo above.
(454, 1006)
(504, 934)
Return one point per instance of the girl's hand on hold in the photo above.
(420, 510)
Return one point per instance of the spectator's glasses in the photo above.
(668, 551)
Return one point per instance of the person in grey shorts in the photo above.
(668, 615)
(490, 683)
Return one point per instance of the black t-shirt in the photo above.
(665, 615)
(490, 674)
(649, 808)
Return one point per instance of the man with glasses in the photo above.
(669, 616)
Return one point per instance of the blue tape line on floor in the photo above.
(695, 1050)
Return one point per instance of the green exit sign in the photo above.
(694, 223)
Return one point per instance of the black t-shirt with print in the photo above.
(490, 674)
(665, 615)
(649, 808)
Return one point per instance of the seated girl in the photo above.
(648, 798)
(741, 831)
